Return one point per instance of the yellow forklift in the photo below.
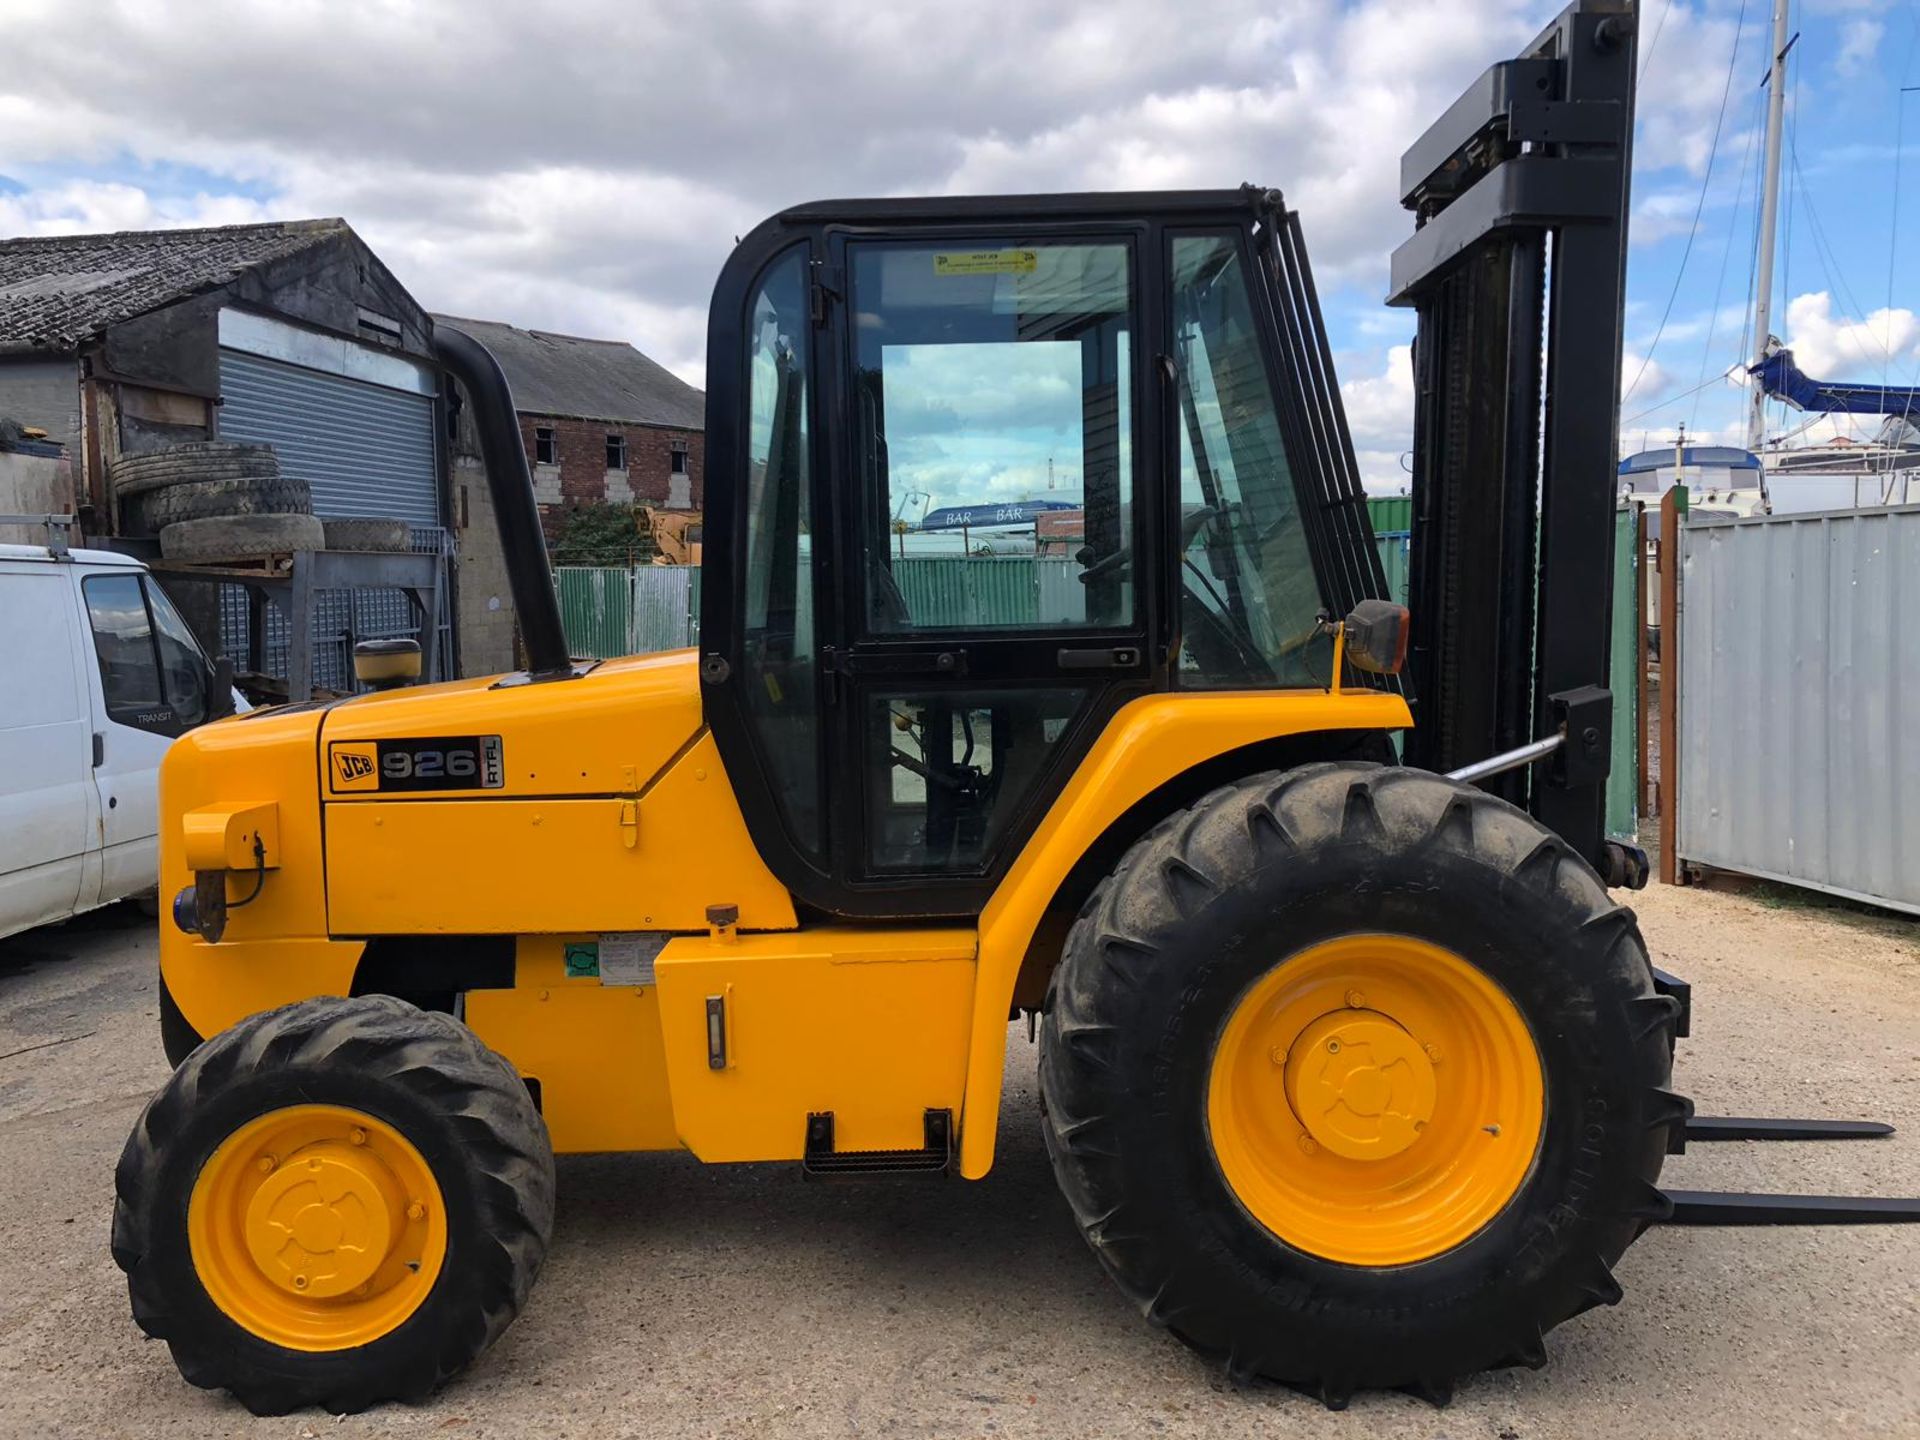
(1354, 1072)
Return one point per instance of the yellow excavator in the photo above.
(1354, 1072)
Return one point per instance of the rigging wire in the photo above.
(1646, 55)
(1675, 399)
(1726, 254)
(1700, 205)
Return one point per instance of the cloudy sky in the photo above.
(583, 165)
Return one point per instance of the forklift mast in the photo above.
(1516, 271)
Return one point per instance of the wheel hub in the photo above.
(322, 1226)
(1375, 1099)
(1360, 1084)
(317, 1227)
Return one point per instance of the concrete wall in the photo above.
(488, 629)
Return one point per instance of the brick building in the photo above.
(602, 423)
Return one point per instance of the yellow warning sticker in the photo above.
(986, 262)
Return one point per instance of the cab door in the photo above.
(994, 512)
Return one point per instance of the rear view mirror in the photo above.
(1376, 637)
(220, 689)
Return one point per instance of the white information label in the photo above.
(626, 956)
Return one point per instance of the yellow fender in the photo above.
(1151, 741)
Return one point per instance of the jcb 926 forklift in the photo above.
(1354, 1073)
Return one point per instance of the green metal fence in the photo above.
(609, 611)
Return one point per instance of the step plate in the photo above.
(820, 1161)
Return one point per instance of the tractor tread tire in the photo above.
(240, 537)
(195, 460)
(221, 499)
(368, 533)
(1205, 904)
(462, 1105)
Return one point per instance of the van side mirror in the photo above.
(220, 689)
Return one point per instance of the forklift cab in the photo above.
(896, 709)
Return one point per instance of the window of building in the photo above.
(677, 465)
(546, 446)
(616, 452)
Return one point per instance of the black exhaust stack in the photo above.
(511, 485)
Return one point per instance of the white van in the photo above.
(98, 674)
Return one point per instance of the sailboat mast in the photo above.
(1769, 222)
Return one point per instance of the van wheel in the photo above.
(1355, 1077)
(337, 1203)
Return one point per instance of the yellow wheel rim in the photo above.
(1375, 1100)
(317, 1228)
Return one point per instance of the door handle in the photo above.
(1107, 657)
(99, 749)
(941, 662)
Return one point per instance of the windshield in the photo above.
(1250, 602)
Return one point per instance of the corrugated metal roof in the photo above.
(60, 290)
(572, 377)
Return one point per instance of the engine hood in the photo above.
(606, 732)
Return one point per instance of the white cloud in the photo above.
(1681, 86)
(1859, 43)
(1380, 415)
(588, 171)
(1831, 347)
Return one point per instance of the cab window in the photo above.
(1249, 598)
(993, 419)
(777, 656)
(153, 675)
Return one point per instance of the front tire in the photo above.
(337, 1203)
(1507, 1061)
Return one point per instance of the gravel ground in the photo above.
(686, 1301)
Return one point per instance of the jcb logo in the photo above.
(355, 768)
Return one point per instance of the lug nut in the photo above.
(1356, 1000)
(1433, 1052)
(264, 1164)
(416, 1211)
(1278, 1054)
(1309, 1146)
(356, 1137)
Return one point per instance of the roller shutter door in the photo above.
(363, 448)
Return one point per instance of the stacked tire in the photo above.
(216, 500)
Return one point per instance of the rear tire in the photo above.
(1220, 898)
(459, 1108)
